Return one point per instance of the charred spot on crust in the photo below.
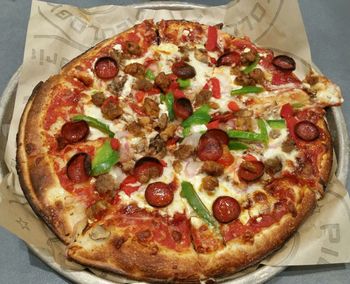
(118, 242)
(29, 148)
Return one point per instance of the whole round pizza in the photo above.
(175, 151)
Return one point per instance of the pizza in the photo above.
(174, 151)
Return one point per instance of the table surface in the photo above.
(327, 25)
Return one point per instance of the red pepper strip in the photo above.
(178, 94)
(140, 95)
(153, 91)
(148, 61)
(249, 158)
(214, 83)
(164, 164)
(212, 38)
(233, 106)
(115, 144)
(126, 187)
(136, 109)
(173, 86)
(213, 124)
(172, 141)
(287, 113)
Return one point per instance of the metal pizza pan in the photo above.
(336, 123)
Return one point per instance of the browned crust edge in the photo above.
(192, 266)
(326, 161)
(32, 162)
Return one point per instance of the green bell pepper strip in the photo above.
(104, 159)
(297, 105)
(186, 131)
(276, 123)
(184, 83)
(93, 122)
(247, 90)
(252, 66)
(188, 192)
(234, 145)
(245, 135)
(149, 75)
(200, 116)
(263, 130)
(168, 99)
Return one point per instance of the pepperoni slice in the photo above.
(209, 148)
(228, 59)
(219, 135)
(75, 131)
(226, 209)
(106, 68)
(183, 108)
(284, 62)
(251, 170)
(159, 194)
(306, 130)
(147, 168)
(79, 167)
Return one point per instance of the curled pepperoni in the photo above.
(226, 209)
(147, 168)
(251, 170)
(219, 135)
(284, 63)
(209, 149)
(106, 68)
(183, 70)
(159, 194)
(75, 131)
(183, 108)
(79, 167)
(306, 130)
(228, 59)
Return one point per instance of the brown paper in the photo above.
(57, 33)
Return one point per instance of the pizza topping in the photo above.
(209, 149)
(257, 75)
(135, 69)
(188, 192)
(149, 75)
(276, 123)
(104, 159)
(75, 131)
(200, 116)
(105, 184)
(147, 168)
(184, 83)
(184, 151)
(209, 183)
(183, 70)
(162, 81)
(234, 145)
(106, 68)
(99, 233)
(229, 59)
(247, 90)
(183, 108)
(203, 97)
(133, 48)
(226, 209)
(168, 99)
(212, 168)
(97, 210)
(251, 170)
(288, 145)
(253, 64)
(273, 166)
(143, 85)
(162, 121)
(151, 108)
(306, 130)
(111, 109)
(98, 98)
(159, 194)
(212, 38)
(201, 55)
(157, 147)
(218, 134)
(117, 84)
(79, 167)
(284, 63)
